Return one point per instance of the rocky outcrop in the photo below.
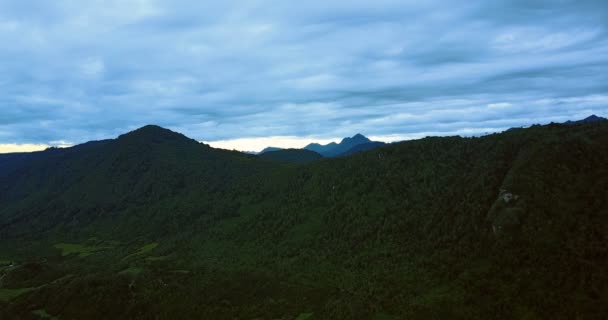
(507, 212)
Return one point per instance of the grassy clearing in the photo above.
(132, 271)
(7, 295)
(5, 264)
(78, 249)
(147, 248)
(143, 250)
(157, 258)
(43, 314)
(305, 316)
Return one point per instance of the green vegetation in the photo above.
(9, 294)
(78, 249)
(295, 156)
(132, 271)
(505, 226)
(44, 315)
(147, 248)
(305, 316)
(161, 258)
(180, 271)
(143, 250)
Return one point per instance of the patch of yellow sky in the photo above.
(242, 144)
(258, 144)
(31, 147)
(12, 147)
(285, 142)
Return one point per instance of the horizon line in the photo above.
(257, 144)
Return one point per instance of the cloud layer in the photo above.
(72, 72)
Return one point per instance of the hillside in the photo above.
(295, 156)
(362, 147)
(269, 149)
(153, 225)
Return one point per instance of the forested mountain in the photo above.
(362, 147)
(295, 156)
(154, 225)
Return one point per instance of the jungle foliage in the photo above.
(153, 225)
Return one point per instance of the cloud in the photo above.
(92, 68)
(316, 70)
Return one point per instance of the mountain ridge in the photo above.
(335, 149)
(590, 119)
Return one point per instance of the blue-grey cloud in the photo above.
(71, 72)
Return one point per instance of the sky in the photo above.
(249, 74)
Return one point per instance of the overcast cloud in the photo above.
(72, 71)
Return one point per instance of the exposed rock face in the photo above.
(507, 196)
(506, 212)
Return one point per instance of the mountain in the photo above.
(335, 149)
(153, 225)
(269, 149)
(362, 147)
(96, 180)
(590, 119)
(321, 149)
(296, 156)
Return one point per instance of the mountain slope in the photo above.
(269, 149)
(509, 225)
(90, 182)
(296, 156)
(362, 147)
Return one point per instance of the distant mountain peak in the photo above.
(335, 149)
(147, 130)
(355, 140)
(154, 134)
(358, 138)
(589, 119)
(593, 118)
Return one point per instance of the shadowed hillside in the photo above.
(296, 156)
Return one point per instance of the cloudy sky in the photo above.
(246, 74)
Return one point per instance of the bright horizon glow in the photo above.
(258, 144)
(30, 147)
(287, 142)
(27, 147)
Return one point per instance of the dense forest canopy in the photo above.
(154, 225)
